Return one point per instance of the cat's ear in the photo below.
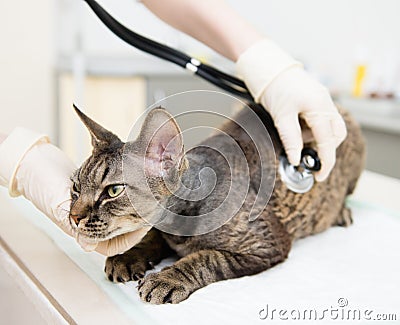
(161, 139)
(101, 138)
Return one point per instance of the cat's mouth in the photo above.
(94, 232)
(94, 237)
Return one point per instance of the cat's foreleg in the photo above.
(345, 219)
(133, 264)
(175, 283)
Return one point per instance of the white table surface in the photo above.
(360, 264)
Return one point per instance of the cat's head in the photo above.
(122, 186)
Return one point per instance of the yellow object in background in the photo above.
(359, 79)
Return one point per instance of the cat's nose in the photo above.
(76, 218)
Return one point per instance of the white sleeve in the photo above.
(12, 150)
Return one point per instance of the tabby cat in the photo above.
(101, 207)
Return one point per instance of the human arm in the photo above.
(275, 80)
(31, 166)
(212, 22)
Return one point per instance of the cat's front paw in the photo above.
(122, 268)
(161, 288)
(345, 219)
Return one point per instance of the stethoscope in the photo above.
(299, 179)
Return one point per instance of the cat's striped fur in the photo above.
(239, 247)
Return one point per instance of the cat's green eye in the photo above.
(115, 190)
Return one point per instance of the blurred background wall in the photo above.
(55, 52)
(27, 65)
(331, 37)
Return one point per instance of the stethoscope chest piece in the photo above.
(296, 180)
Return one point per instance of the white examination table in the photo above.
(353, 270)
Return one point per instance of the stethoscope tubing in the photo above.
(218, 78)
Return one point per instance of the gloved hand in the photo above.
(287, 92)
(32, 167)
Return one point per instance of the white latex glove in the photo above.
(32, 167)
(119, 244)
(287, 92)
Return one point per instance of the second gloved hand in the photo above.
(32, 167)
(282, 86)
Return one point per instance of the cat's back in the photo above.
(300, 214)
(321, 207)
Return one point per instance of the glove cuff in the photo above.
(260, 64)
(12, 150)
